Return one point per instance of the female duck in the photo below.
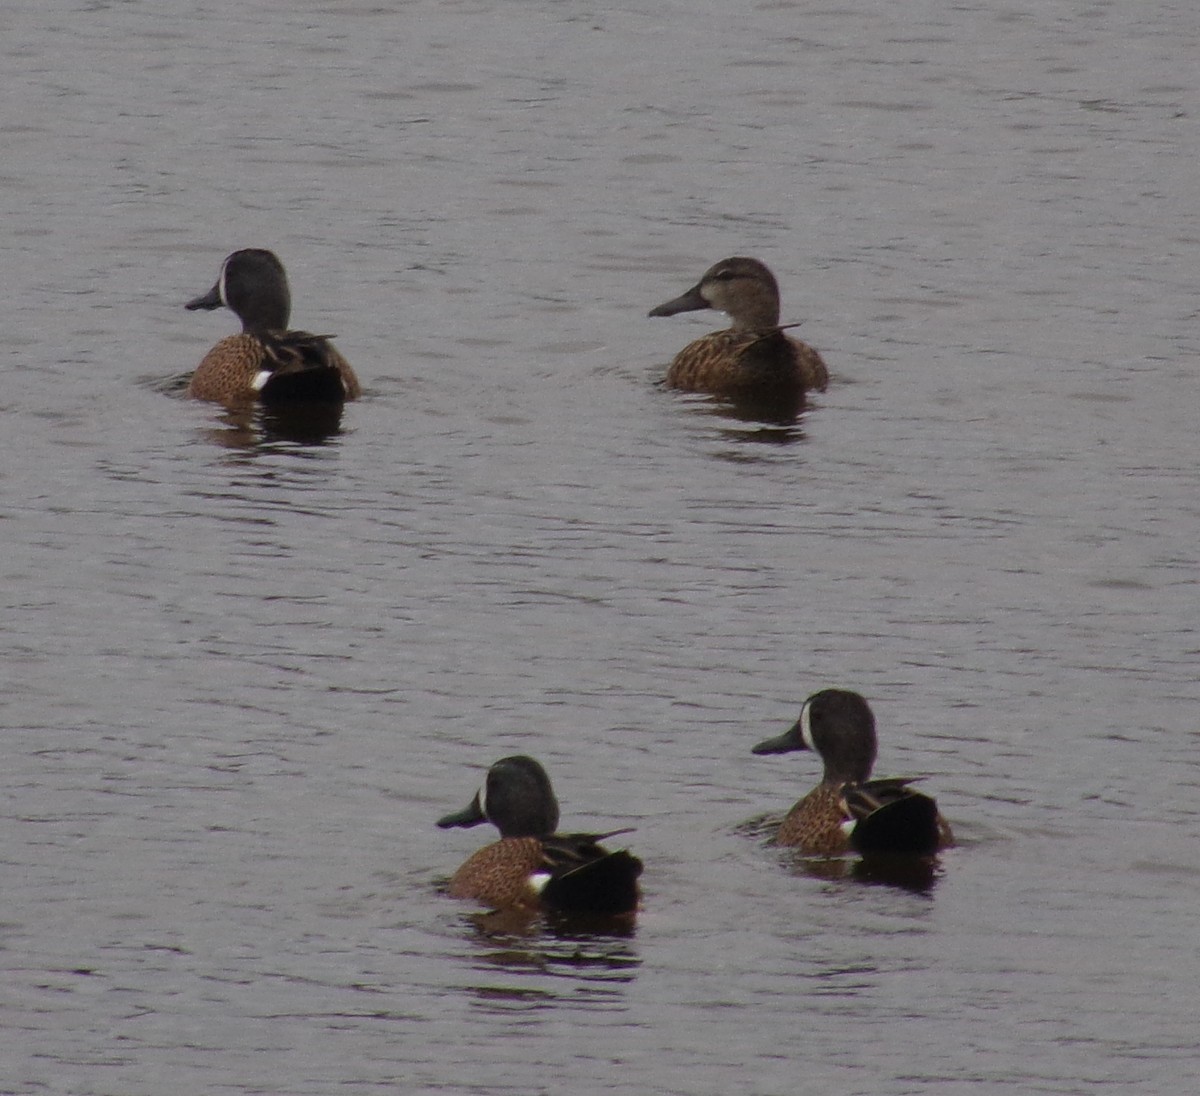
(753, 357)
(266, 361)
(848, 811)
(531, 867)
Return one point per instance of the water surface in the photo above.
(246, 672)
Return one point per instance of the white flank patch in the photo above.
(806, 725)
(260, 380)
(538, 881)
(848, 826)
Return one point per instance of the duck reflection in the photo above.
(916, 874)
(262, 426)
(535, 961)
(520, 922)
(762, 420)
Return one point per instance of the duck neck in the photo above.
(761, 316)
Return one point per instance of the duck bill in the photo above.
(471, 815)
(790, 740)
(691, 301)
(209, 301)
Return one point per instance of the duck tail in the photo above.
(605, 886)
(907, 826)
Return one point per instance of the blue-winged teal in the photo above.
(532, 867)
(753, 357)
(847, 811)
(266, 361)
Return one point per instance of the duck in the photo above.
(848, 812)
(266, 362)
(532, 867)
(752, 358)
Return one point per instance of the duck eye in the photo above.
(724, 276)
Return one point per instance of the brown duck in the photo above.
(532, 867)
(752, 358)
(847, 811)
(266, 362)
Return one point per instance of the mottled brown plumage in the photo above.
(266, 361)
(816, 823)
(500, 874)
(531, 867)
(565, 872)
(753, 357)
(308, 366)
(847, 811)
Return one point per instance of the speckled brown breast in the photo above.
(498, 874)
(226, 373)
(814, 825)
(733, 362)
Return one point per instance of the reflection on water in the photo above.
(569, 958)
(259, 428)
(560, 926)
(767, 421)
(223, 646)
(302, 423)
(917, 874)
(762, 434)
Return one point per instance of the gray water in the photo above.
(244, 674)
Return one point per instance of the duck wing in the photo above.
(585, 877)
(892, 817)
